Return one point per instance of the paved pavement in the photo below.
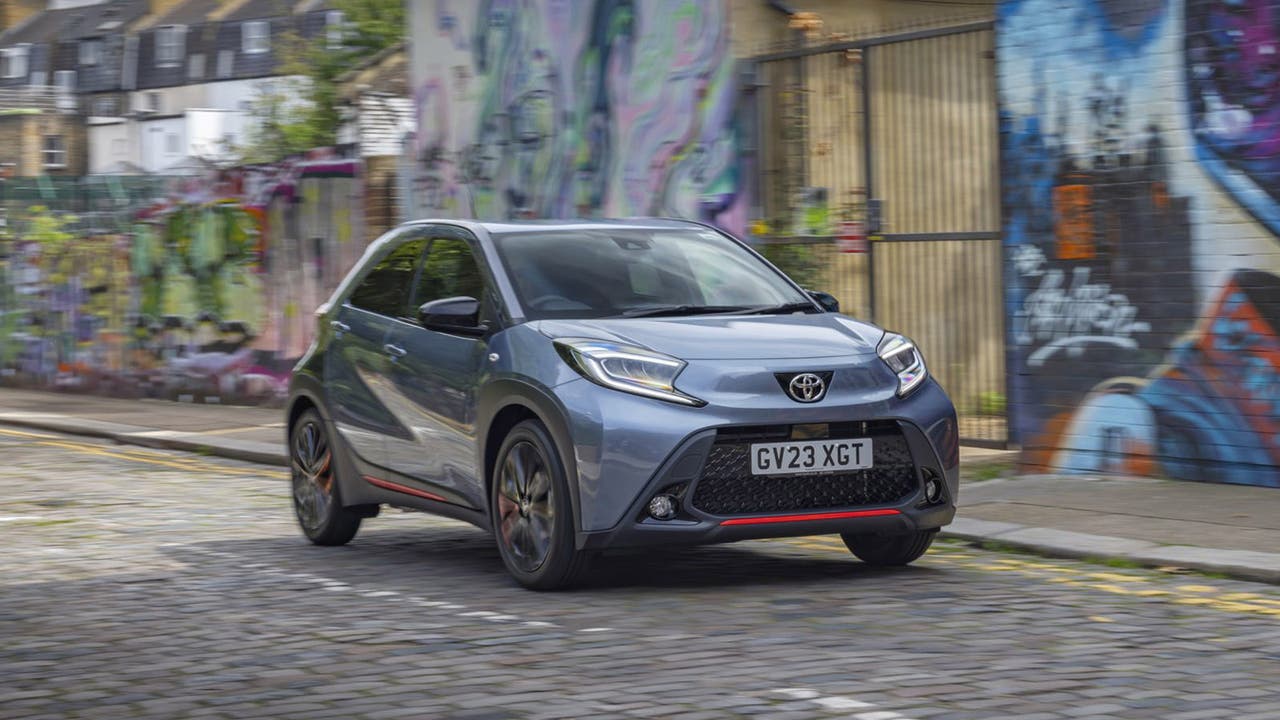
(1224, 529)
(141, 583)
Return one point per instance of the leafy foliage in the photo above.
(798, 261)
(292, 116)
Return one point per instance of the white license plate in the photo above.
(812, 456)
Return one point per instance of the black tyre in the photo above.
(889, 550)
(316, 499)
(531, 511)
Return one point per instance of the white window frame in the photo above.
(90, 52)
(255, 37)
(171, 45)
(65, 80)
(195, 66)
(54, 157)
(335, 25)
(16, 61)
(226, 64)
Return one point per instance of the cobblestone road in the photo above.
(146, 584)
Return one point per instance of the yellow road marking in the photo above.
(20, 433)
(1116, 583)
(137, 455)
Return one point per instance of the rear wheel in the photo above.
(531, 512)
(316, 499)
(889, 550)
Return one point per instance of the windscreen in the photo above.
(627, 272)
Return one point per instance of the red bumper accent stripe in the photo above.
(403, 489)
(766, 519)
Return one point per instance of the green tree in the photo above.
(296, 115)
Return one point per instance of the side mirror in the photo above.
(457, 315)
(826, 300)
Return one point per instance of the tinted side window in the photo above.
(450, 270)
(385, 290)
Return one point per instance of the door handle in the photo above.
(339, 326)
(394, 351)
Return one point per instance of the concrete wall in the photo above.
(111, 141)
(156, 151)
(1142, 222)
(582, 108)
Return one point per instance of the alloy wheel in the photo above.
(526, 508)
(312, 474)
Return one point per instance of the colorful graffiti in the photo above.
(202, 291)
(1141, 201)
(574, 108)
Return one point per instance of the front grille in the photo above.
(727, 486)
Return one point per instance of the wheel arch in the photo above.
(506, 403)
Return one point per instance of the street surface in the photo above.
(139, 583)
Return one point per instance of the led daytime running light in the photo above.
(626, 368)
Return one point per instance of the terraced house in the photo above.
(141, 86)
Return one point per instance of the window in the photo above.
(450, 270)
(171, 44)
(55, 151)
(385, 290)
(38, 77)
(14, 60)
(153, 101)
(255, 36)
(195, 67)
(65, 81)
(90, 51)
(171, 144)
(105, 107)
(334, 26)
(226, 61)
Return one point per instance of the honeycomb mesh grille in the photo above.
(727, 486)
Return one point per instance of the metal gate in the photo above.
(894, 137)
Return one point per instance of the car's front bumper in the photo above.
(620, 439)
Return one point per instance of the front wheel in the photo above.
(316, 499)
(530, 510)
(889, 550)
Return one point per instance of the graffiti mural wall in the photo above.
(197, 289)
(574, 108)
(1141, 175)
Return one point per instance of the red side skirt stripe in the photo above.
(388, 485)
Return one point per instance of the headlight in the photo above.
(626, 368)
(905, 360)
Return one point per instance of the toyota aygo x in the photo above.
(574, 387)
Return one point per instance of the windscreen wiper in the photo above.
(792, 307)
(661, 310)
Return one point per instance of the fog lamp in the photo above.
(932, 490)
(662, 507)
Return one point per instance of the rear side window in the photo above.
(385, 290)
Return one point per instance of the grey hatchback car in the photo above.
(574, 387)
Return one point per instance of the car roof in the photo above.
(517, 226)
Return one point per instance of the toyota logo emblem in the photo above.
(807, 388)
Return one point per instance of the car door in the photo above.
(357, 368)
(436, 375)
